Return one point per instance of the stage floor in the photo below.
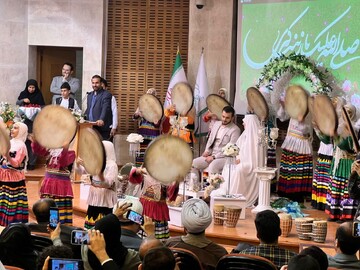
(244, 231)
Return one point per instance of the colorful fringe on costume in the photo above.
(161, 229)
(296, 173)
(13, 203)
(338, 203)
(321, 182)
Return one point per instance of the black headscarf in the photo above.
(36, 97)
(110, 227)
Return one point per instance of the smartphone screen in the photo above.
(58, 264)
(356, 229)
(79, 237)
(135, 217)
(54, 217)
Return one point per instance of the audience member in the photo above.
(99, 108)
(66, 76)
(53, 252)
(114, 125)
(65, 100)
(109, 227)
(148, 243)
(196, 217)
(158, 258)
(57, 183)
(268, 230)
(346, 246)
(30, 96)
(318, 254)
(13, 195)
(129, 229)
(302, 262)
(223, 132)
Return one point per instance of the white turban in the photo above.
(195, 215)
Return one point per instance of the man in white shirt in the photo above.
(114, 125)
(67, 71)
(223, 132)
(65, 100)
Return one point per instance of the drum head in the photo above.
(151, 108)
(168, 158)
(54, 126)
(257, 103)
(4, 140)
(216, 104)
(325, 115)
(296, 102)
(183, 98)
(91, 151)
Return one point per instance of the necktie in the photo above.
(93, 100)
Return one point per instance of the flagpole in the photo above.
(199, 128)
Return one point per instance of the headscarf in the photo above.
(36, 97)
(110, 227)
(19, 141)
(195, 215)
(223, 90)
(23, 131)
(151, 91)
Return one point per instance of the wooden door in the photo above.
(50, 62)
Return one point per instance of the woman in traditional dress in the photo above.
(147, 129)
(57, 183)
(243, 178)
(13, 196)
(296, 165)
(339, 205)
(31, 96)
(153, 198)
(102, 194)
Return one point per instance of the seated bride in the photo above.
(243, 178)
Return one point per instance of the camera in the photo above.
(200, 3)
(356, 229)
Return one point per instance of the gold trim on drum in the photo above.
(54, 127)
(168, 159)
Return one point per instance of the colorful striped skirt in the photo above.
(94, 213)
(339, 205)
(271, 162)
(296, 174)
(139, 159)
(321, 182)
(64, 204)
(161, 229)
(13, 202)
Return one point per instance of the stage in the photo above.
(229, 237)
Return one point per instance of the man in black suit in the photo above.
(99, 108)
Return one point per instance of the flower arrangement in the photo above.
(296, 64)
(78, 115)
(215, 180)
(7, 113)
(134, 138)
(230, 150)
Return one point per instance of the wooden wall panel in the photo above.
(143, 36)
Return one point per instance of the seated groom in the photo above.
(222, 133)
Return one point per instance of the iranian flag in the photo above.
(178, 75)
(201, 92)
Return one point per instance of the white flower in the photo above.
(230, 150)
(134, 138)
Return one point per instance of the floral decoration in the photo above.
(7, 113)
(134, 138)
(296, 64)
(78, 115)
(230, 150)
(215, 180)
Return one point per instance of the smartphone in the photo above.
(60, 263)
(356, 229)
(79, 237)
(54, 217)
(135, 217)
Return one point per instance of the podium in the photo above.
(264, 175)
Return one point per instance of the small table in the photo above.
(265, 175)
(236, 200)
